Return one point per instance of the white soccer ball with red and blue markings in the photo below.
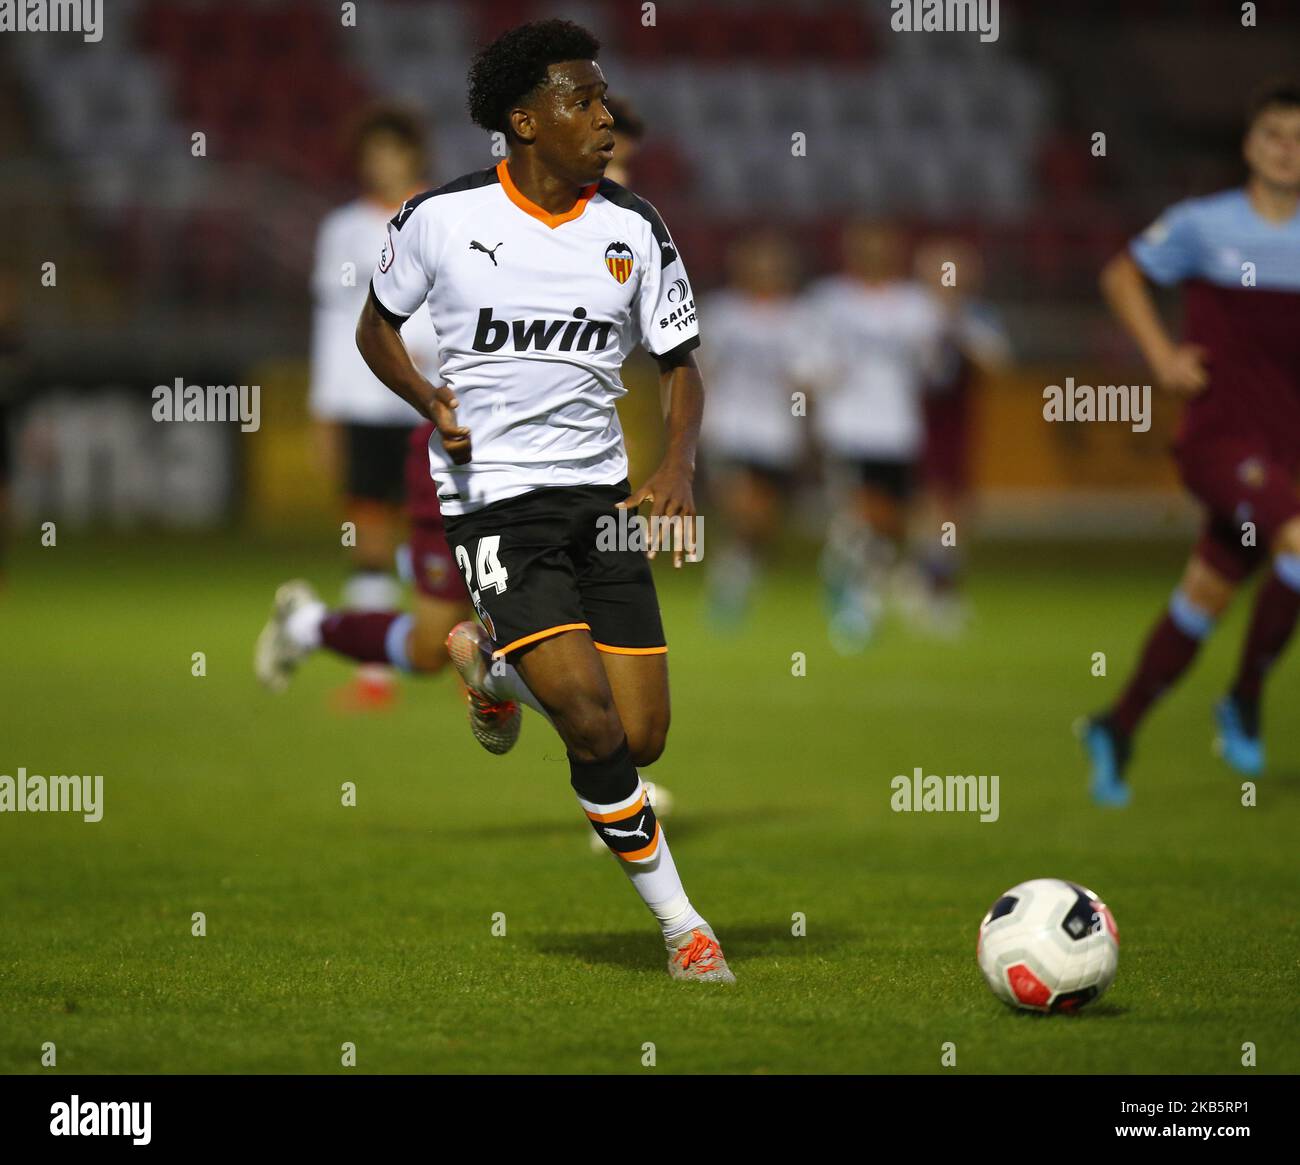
(1048, 945)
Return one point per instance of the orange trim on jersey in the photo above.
(632, 650)
(619, 814)
(536, 635)
(528, 206)
(645, 851)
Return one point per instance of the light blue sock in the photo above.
(395, 642)
(1287, 567)
(1191, 620)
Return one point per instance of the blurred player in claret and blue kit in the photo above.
(540, 276)
(1237, 256)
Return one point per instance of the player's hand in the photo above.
(1182, 370)
(669, 490)
(454, 437)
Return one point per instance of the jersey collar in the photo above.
(528, 206)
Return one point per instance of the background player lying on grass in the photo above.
(1238, 446)
(534, 324)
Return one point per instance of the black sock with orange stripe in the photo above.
(614, 798)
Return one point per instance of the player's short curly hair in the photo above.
(515, 64)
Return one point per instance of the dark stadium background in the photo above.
(170, 265)
(171, 540)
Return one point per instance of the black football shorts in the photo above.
(552, 560)
(893, 478)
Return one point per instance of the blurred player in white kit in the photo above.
(363, 428)
(871, 341)
(753, 432)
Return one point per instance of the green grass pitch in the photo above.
(373, 925)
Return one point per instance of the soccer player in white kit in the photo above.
(540, 276)
(364, 427)
(872, 337)
(753, 431)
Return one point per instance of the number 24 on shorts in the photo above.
(491, 572)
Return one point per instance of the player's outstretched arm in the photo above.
(669, 488)
(381, 346)
(1179, 368)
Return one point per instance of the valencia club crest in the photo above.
(618, 258)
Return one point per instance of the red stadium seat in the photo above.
(780, 37)
(500, 16)
(842, 36)
(704, 33)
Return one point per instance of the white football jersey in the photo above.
(342, 386)
(535, 314)
(870, 350)
(751, 360)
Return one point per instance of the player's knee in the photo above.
(588, 723)
(646, 740)
(646, 751)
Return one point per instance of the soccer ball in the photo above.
(1048, 945)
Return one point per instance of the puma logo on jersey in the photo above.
(576, 335)
(475, 245)
(637, 832)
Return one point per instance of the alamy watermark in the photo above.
(83, 16)
(1129, 404)
(75, 1117)
(214, 402)
(628, 530)
(948, 794)
(33, 793)
(946, 16)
